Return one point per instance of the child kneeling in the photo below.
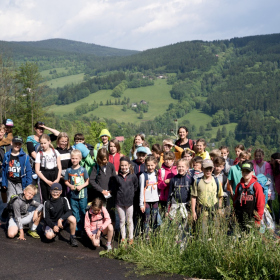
(98, 220)
(20, 215)
(57, 213)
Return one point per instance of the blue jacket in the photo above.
(26, 171)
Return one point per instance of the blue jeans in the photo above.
(79, 210)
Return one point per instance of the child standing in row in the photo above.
(76, 179)
(114, 154)
(47, 166)
(16, 169)
(123, 187)
(229, 162)
(200, 149)
(168, 170)
(149, 196)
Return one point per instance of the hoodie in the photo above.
(163, 174)
(251, 203)
(104, 132)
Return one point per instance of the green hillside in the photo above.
(158, 97)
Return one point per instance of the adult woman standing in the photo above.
(32, 141)
(183, 140)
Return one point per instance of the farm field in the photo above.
(157, 105)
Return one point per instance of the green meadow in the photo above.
(157, 96)
(61, 82)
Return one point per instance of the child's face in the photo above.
(197, 166)
(237, 152)
(63, 142)
(17, 146)
(151, 166)
(259, 157)
(241, 159)
(182, 168)
(96, 210)
(155, 154)
(224, 153)
(166, 147)
(200, 147)
(56, 194)
(79, 141)
(104, 139)
(2, 133)
(104, 161)
(112, 148)
(219, 168)
(141, 157)
(207, 171)
(169, 162)
(138, 140)
(28, 194)
(188, 157)
(8, 129)
(75, 159)
(45, 144)
(124, 166)
(246, 174)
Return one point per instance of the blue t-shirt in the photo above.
(77, 177)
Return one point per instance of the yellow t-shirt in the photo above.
(206, 193)
(204, 155)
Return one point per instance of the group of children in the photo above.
(99, 191)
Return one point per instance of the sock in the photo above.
(108, 243)
(33, 228)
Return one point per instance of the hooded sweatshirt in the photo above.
(246, 202)
(104, 132)
(163, 174)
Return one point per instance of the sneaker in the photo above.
(33, 233)
(109, 247)
(130, 242)
(73, 242)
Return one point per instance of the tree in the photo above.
(94, 131)
(224, 132)
(141, 115)
(124, 108)
(28, 96)
(201, 130)
(219, 135)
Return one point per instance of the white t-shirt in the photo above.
(48, 159)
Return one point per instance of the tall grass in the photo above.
(209, 252)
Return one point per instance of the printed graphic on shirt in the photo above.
(14, 170)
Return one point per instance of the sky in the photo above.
(137, 24)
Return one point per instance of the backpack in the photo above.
(263, 181)
(8, 210)
(90, 215)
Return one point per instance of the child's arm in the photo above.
(161, 183)
(142, 184)
(92, 181)
(67, 210)
(193, 202)
(171, 188)
(28, 171)
(47, 216)
(4, 174)
(17, 217)
(87, 226)
(58, 162)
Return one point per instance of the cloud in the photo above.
(133, 24)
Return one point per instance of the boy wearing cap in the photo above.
(8, 137)
(249, 199)
(139, 162)
(16, 169)
(57, 213)
(207, 192)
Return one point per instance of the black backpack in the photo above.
(8, 212)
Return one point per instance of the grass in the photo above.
(61, 82)
(45, 73)
(209, 253)
(157, 105)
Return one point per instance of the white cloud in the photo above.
(134, 24)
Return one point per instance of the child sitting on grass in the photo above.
(97, 221)
(20, 215)
(57, 213)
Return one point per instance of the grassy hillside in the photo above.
(60, 82)
(158, 97)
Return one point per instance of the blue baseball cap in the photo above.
(142, 150)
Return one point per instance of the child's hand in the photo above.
(142, 208)
(49, 183)
(97, 236)
(78, 188)
(56, 181)
(56, 229)
(194, 216)
(105, 192)
(166, 214)
(167, 181)
(21, 236)
(59, 224)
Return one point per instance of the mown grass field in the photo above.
(58, 70)
(157, 96)
(60, 82)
